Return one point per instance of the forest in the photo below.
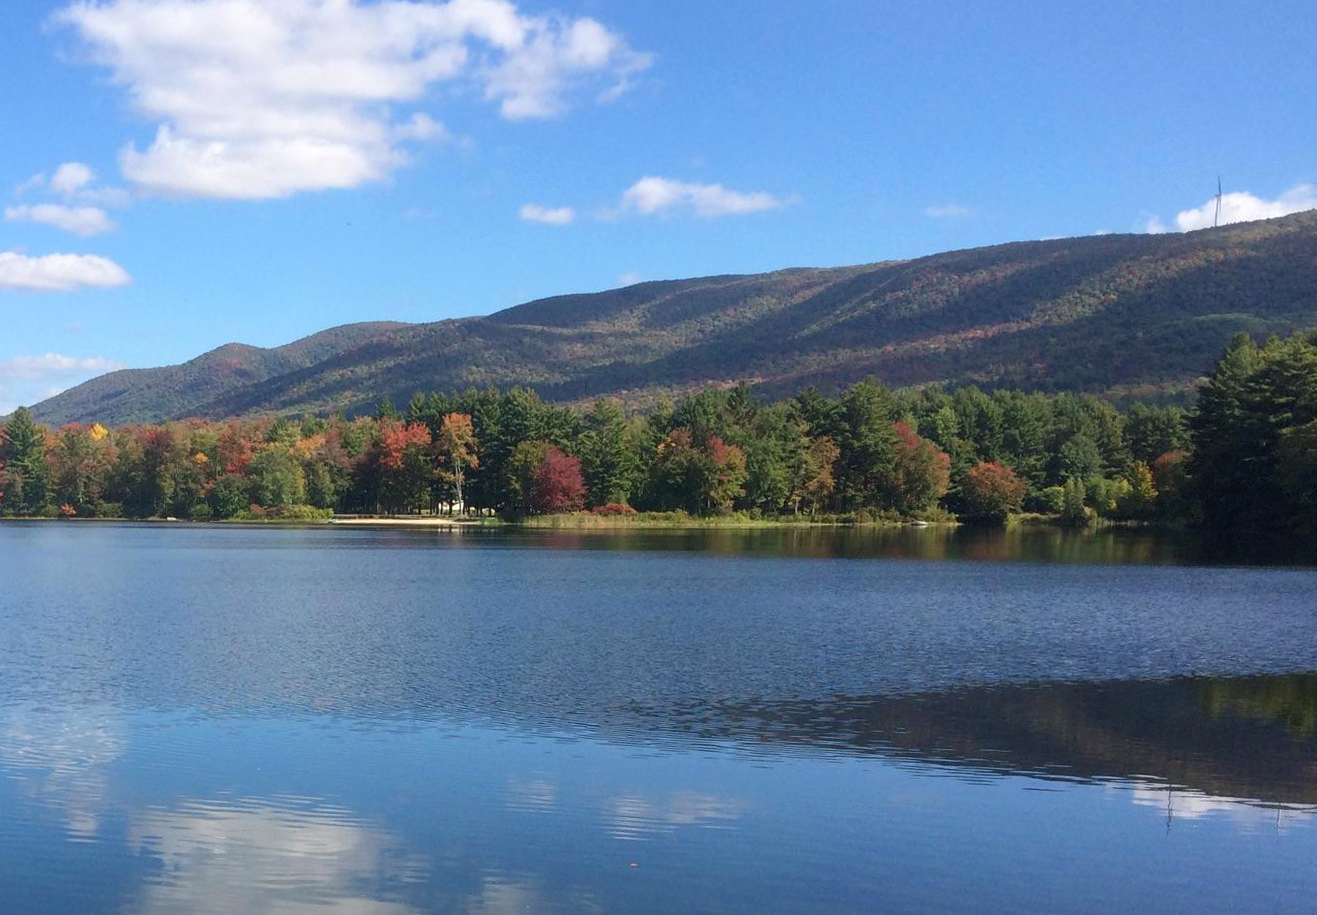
(1242, 460)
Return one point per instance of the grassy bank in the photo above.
(678, 519)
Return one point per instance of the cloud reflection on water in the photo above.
(635, 817)
(254, 855)
(1247, 816)
(60, 759)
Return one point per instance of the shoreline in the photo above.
(588, 522)
(582, 522)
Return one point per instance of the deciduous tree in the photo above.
(992, 492)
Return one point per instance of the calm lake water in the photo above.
(393, 722)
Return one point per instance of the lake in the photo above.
(215, 719)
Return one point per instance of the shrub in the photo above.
(992, 492)
(1073, 510)
(285, 513)
(613, 508)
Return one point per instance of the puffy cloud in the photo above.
(70, 178)
(1154, 226)
(421, 127)
(80, 220)
(60, 272)
(553, 216)
(35, 183)
(1242, 206)
(654, 196)
(630, 278)
(948, 211)
(266, 98)
(74, 181)
(531, 83)
(53, 365)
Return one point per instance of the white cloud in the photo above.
(80, 220)
(531, 83)
(655, 196)
(60, 272)
(267, 98)
(53, 365)
(630, 278)
(421, 127)
(948, 211)
(35, 183)
(1242, 206)
(553, 216)
(1154, 226)
(70, 178)
(74, 181)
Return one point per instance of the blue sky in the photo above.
(178, 174)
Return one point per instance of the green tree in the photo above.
(1221, 479)
(520, 470)
(1139, 501)
(1073, 510)
(1153, 431)
(277, 478)
(868, 440)
(23, 450)
(609, 458)
(1079, 458)
(1297, 474)
(777, 452)
(386, 410)
(1250, 406)
(231, 494)
(701, 477)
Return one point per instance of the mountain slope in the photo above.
(145, 395)
(1111, 314)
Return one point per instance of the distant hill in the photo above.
(1115, 314)
(146, 395)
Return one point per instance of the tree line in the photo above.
(1243, 459)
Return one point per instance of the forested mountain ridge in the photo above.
(145, 395)
(1112, 314)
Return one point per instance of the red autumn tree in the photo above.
(558, 485)
(725, 480)
(992, 491)
(234, 449)
(395, 439)
(403, 461)
(921, 472)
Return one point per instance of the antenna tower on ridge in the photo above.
(1216, 220)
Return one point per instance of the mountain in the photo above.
(146, 395)
(1119, 315)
